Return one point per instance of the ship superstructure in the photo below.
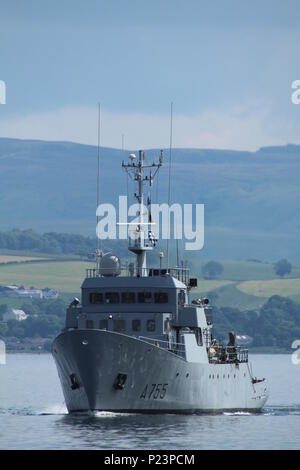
(136, 343)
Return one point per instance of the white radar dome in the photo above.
(110, 265)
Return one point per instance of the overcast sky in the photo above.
(227, 65)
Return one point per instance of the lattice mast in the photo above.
(141, 237)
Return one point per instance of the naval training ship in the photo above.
(137, 344)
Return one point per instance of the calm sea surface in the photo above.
(33, 415)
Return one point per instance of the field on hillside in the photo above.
(247, 285)
(283, 287)
(246, 295)
(65, 276)
(227, 295)
(243, 270)
(205, 286)
(18, 258)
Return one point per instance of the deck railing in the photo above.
(227, 354)
(175, 348)
(182, 274)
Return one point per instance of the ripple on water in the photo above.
(50, 410)
(282, 410)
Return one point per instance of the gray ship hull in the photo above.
(89, 363)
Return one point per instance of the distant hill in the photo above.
(252, 199)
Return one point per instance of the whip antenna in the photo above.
(169, 188)
(98, 241)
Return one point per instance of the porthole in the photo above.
(228, 376)
(213, 376)
(223, 376)
(217, 376)
(187, 374)
(234, 376)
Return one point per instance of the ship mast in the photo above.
(139, 244)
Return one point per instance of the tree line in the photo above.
(214, 269)
(55, 243)
(276, 325)
(52, 243)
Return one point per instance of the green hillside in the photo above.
(65, 276)
(251, 198)
(241, 270)
(255, 283)
(267, 288)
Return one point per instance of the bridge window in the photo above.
(136, 325)
(119, 325)
(150, 325)
(112, 297)
(145, 297)
(167, 325)
(181, 297)
(199, 339)
(89, 324)
(128, 297)
(161, 297)
(103, 324)
(96, 298)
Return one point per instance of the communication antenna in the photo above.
(169, 188)
(98, 241)
(177, 250)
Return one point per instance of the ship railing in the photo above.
(207, 337)
(218, 354)
(175, 348)
(182, 274)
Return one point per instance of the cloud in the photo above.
(245, 128)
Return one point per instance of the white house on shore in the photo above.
(14, 314)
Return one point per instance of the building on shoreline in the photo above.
(29, 293)
(14, 314)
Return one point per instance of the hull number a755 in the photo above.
(154, 391)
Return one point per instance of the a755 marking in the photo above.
(154, 391)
